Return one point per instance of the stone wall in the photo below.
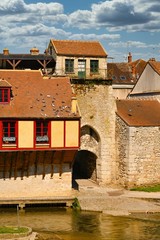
(97, 107)
(122, 151)
(138, 155)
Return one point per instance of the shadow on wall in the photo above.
(84, 166)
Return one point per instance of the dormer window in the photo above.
(5, 91)
(4, 94)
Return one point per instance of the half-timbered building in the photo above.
(39, 133)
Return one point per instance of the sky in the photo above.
(122, 26)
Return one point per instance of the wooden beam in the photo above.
(11, 164)
(28, 164)
(52, 164)
(36, 163)
(23, 159)
(14, 63)
(61, 162)
(4, 165)
(15, 165)
(44, 157)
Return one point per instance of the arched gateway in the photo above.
(85, 163)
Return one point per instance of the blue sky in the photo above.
(121, 26)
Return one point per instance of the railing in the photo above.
(80, 73)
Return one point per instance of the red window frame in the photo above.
(9, 129)
(4, 95)
(42, 132)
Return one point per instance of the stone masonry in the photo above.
(138, 154)
(97, 107)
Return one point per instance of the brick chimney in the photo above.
(152, 59)
(129, 57)
(5, 51)
(34, 51)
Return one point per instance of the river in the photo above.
(80, 225)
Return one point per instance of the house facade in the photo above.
(39, 133)
(149, 82)
(79, 59)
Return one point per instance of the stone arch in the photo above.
(85, 163)
(90, 139)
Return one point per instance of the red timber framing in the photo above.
(42, 132)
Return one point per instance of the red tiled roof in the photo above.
(78, 48)
(125, 73)
(139, 112)
(120, 73)
(36, 97)
(155, 65)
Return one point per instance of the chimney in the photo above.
(74, 105)
(5, 51)
(34, 51)
(129, 57)
(152, 59)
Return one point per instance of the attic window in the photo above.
(122, 78)
(4, 94)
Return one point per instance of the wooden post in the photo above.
(52, 164)
(45, 153)
(15, 166)
(61, 162)
(4, 166)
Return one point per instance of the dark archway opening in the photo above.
(84, 167)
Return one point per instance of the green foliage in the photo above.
(76, 205)
(5, 229)
(154, 188)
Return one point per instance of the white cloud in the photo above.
(25, 25)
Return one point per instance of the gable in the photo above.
(149, 81)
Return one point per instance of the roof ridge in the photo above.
(74, 40)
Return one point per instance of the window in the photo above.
(42, 132)
(94, 66)
(4, 95)
(9, 132)
(69, 65)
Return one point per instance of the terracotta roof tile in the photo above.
(125, 73)
(37, 97)
(139, 112)
(155, 65)
(78, 48)
(120, 73)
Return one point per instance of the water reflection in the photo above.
(72, 225)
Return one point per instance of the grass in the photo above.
(154, 188)
(12, 230)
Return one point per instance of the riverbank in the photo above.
(116, 201)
